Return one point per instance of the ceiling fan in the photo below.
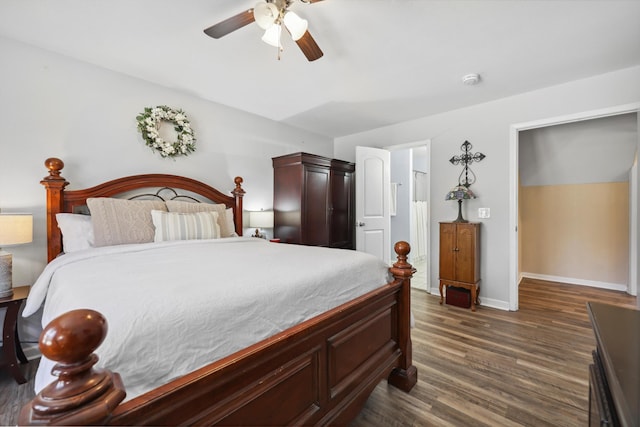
(272, 16)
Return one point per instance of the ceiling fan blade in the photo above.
(309, 47)
(229, 25)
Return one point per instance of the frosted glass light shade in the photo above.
(15, 229)
(272, 35)
(296, 25)
(265, 14)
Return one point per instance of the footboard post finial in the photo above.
(82, 395)
(406, 375)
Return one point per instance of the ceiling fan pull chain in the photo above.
(280, 48)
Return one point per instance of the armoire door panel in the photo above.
(316, 207)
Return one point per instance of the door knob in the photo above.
(360, 224)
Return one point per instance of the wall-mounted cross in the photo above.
(467, 177)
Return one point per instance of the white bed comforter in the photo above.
(173, 307)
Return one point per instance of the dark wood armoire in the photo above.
(313, 200)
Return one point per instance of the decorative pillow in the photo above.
(77, 231)
(227, 228)
(185, 226)
(120, 221)
(230, 224)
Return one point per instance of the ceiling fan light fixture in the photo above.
(272, 35)
(265, 15)
(296, 25)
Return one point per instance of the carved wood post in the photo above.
(82, 395)
(55, 184)
(238, 193)
(406, 376)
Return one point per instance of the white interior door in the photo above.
(373, 221)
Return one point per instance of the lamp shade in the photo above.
(265, 14)
(15, 229)
(261, 219)
(296, 25)
(272, 35)
(460, 192)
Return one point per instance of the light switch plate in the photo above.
(484, 213)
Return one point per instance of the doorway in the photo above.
(410, 184)
(514, 264)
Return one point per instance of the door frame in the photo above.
(514, 270)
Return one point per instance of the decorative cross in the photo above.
(465, 159)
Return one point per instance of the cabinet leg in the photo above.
(473, 298)
(441, 296)
(21, 357)
(9, 349)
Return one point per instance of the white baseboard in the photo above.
(574, 281)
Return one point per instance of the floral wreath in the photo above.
(149, 124)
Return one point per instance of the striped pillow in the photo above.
(225, 216)
(185, 226)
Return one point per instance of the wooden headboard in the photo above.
(59, 200)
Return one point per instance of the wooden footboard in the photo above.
(317, 373)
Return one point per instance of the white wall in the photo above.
(487, 126)
(54, 106)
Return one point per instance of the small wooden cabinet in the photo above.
(313, 200)
(460, 258)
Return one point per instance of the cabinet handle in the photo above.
(456, 250)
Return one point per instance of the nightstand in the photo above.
(10, 340)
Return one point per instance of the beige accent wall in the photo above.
(578, 231)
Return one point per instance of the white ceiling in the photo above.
(385, 61)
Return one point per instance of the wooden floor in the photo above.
(498, 368)
(488, 368)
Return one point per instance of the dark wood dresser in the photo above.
(614, 376)
(314, 200)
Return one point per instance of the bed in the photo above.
(346, 327)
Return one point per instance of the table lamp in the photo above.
(260, 219)
(460, 193)
(15, 229)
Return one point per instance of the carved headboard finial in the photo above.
(54, 165)
(238, 190)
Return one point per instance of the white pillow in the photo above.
(185, 226)
(77, 231)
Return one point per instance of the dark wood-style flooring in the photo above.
(488, 368)
(498, 368)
